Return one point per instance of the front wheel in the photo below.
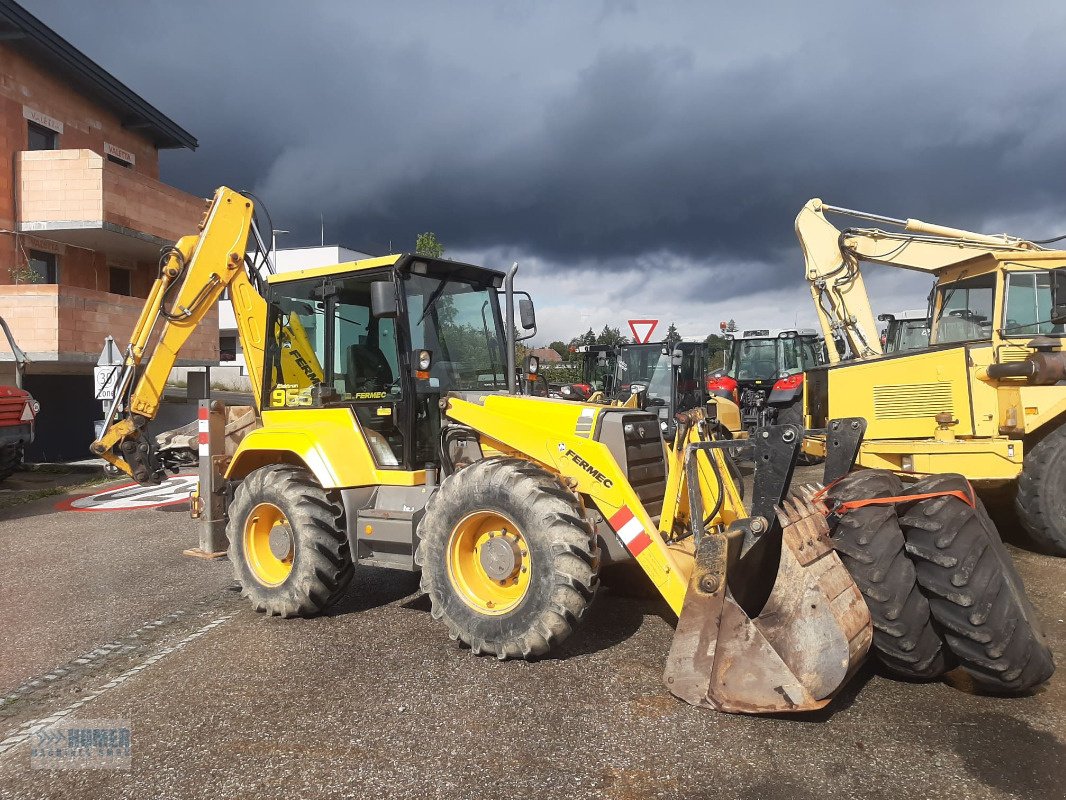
(10, 459)
(974, 591)
(1041, 497)
(288, 546)
(508, 561)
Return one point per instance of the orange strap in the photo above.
(850, 505)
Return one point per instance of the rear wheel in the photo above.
(10, 459)
(1041, 497)
(508, 560)
(871, 545)
(288, 544)
(974, 591)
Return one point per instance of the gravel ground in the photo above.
(373, 700)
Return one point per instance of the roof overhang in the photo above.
(24, 32)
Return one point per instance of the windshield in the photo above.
(457, 321)
(597, 367)
(646, 365)
(1027, 308)
(770, 359)
(965, 309)
(907, 334)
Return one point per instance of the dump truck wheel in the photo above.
(10, 459)
(508, 560)
(974, 591)
(1041, 497)
(871, 545)
(288, 544)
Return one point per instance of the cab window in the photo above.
(1027, 310)
(965, 309)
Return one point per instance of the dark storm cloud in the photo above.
(602, 134)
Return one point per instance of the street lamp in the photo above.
(274, 246)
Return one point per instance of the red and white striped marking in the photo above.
(630, 531)
(205, 432)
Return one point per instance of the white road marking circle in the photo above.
(134, 496)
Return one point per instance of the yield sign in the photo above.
(642, 329)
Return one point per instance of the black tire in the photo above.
(871, 545)
(792, 414)
(562, 548)
(321, 558)
(10, 459)
(1041, 497)
(974, 591)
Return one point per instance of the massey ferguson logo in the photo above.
(591, 470)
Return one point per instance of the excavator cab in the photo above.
(391, 432)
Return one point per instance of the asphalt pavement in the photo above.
(103, 618)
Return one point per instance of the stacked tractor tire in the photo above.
(941, 588)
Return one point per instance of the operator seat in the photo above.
(368, 369)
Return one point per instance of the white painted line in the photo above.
(27, 729)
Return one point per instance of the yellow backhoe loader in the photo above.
(986, 398)
(391, 434)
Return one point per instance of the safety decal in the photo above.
(132, 496)
(630, 531)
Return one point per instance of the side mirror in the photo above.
(676, 358)
(384, 299)
(526, 314)
(1058, 296)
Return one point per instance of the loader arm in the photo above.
(193, 275)
(832, 259)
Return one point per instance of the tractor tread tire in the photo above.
(322, 565)
(974, 590)
(563, 548)
(871, 545)
(10, 459)
(1040, 500)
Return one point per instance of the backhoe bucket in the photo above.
(779, 628)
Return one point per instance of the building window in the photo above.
(41, 138)
(46, 265)
(120, 281)
(227, 348)
(119, 161)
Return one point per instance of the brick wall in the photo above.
(71, 323)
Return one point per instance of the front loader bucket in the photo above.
(780, 628)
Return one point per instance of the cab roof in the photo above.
(396, 259)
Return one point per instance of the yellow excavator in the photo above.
(987, 397)
(392, 433)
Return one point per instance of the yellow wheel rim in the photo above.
(264, 524)
(488, 562)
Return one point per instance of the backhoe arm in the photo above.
(832, 259)
(193, 276)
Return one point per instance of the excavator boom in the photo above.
(193, 275)
(833, 259)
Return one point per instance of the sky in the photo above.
(638, 159)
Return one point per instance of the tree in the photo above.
(610, 336)
(672, 335)
(427, 244)
(584, 339)
(717, 347)
(562, 349)
(731, 326)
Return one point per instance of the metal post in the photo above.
(508, 294)
(209, 507)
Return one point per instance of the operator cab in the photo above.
(386, 338)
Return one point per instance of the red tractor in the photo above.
(18, 413)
